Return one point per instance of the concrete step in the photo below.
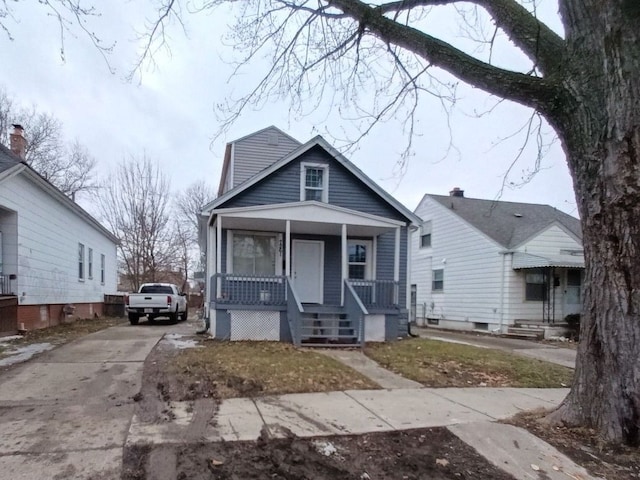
(525, 333)
(526, 330)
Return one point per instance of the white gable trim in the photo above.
(309, 211)
(319, 141)
(12, 172)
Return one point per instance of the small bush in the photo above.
(573, 321)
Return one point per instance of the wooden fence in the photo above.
(8, 315)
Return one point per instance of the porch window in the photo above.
(437, 280)
(253, 254)
(360, 259)
(80, 261)
(314, 182)
(536, 287)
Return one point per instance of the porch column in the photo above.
(345, 261)
(211, 265)
(396, 265)
(218, 252)
(287, 249)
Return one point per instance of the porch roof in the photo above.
(310, 217)
(523, 261)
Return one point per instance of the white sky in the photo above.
(169, 114)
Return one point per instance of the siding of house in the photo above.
(472, 268)
(46, 257)
(256, 152)
(344, 189)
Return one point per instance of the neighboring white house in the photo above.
(487, 265)
(55, 259)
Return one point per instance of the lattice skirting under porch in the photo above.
(255, 325)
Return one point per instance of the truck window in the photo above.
(156, 289)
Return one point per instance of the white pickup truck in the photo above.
(157, 300)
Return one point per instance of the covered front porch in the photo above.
(319, 274)
(553, 285)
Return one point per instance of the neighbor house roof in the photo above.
(11, 165)
(321, 142)
(7, 159)
(508, 223)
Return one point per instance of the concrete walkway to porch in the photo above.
(358, 361)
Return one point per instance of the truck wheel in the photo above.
(173, 317)
(185, 314)
(133, 318)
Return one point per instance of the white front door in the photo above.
(308, 270)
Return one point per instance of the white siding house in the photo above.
(55, 258)
(488, 265)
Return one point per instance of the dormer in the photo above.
(247, 156)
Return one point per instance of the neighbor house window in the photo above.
(253, 254)
(80, 261)
(437, 280)
(314, 182)
(102, 261)
(536, 286)
(360, 259)
(90, 263)
(425, 235)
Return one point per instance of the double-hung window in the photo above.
(360, 259)
(425, 235)
(102, 262)
(437, 280)
(80, 261)
(535, 286)
(90, 263)
(254, 253)
(314, 181)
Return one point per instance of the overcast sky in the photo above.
(169, 112)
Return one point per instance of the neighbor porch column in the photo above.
(345, 261)
(287, 249)
(396, 265)
(218, 252)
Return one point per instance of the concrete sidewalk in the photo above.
(469, 413)
(526, 348)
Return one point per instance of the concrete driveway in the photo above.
(66, 414)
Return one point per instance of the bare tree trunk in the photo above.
(601, 136)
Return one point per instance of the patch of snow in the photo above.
(23, 353)
(175, 340)
(325, 448)
(450, 340)
(12, 337)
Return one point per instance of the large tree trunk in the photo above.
(600, 131)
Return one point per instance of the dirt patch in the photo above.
(582, 445)
(433, 454)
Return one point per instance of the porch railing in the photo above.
(5, 284)
(234, 289)
(295, 310)
(376, 293)
(355, 310)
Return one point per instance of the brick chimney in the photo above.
(17, 142)
(456, 192)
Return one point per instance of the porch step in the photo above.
(326, 328)
(535, 333)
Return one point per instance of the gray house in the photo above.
(303, 247)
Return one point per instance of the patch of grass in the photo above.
(441, 364)
(241, 369)
(68, 331)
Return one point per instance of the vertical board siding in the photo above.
(254, 153)
(472, 268)
(46, 243)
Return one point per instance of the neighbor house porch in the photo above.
(308, 272)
